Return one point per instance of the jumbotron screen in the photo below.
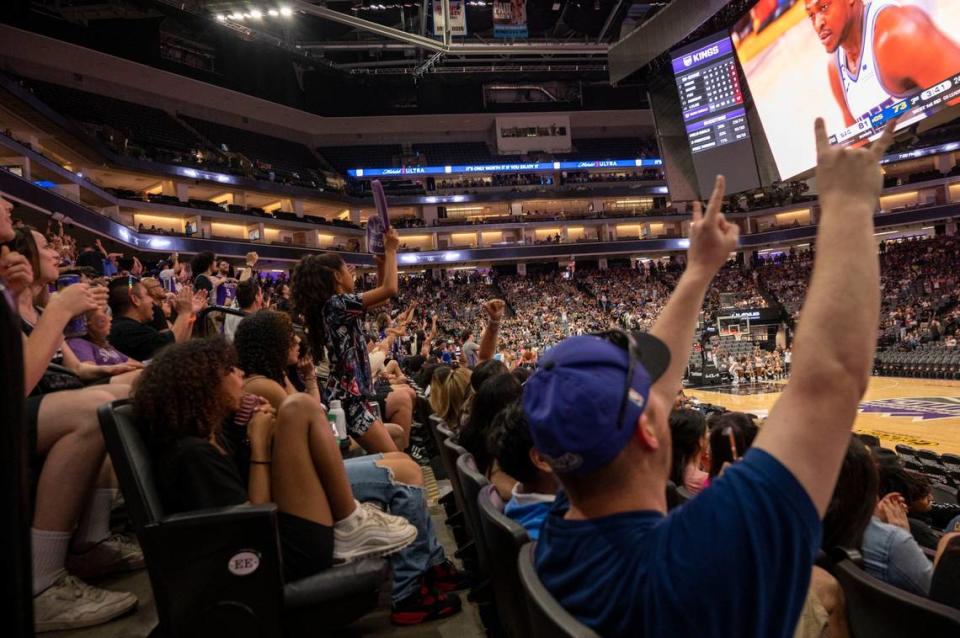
(856, 63)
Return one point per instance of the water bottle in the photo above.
(77, 326)
(338, 418)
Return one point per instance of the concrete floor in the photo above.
(466, 624)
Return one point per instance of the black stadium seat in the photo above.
(547, 618)
(504, 538)
(218, 572)
(471, 482)
(878, 610)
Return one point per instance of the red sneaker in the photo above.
(424, 605)
(446, 577)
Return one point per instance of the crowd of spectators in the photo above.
(919, 295)
(552, 393)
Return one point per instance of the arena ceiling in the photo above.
(384, 56)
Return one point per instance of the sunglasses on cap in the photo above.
(625, 341)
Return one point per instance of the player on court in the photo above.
(881, 52)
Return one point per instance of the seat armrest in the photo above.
(340, 581)
(219, 515)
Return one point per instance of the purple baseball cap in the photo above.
(573, 399)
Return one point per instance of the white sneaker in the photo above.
(370, 532)
(71, 603)
(113, 555)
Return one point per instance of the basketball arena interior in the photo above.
(465, 318)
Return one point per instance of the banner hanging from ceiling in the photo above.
(509, 19)
(458, 18)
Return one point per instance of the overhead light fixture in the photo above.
(221, 17)
(273, 13)
(255, 13)
(286, 12)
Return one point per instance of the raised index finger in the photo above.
(820, 132)
(716, 197)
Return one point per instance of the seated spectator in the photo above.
(688, 435)
(249, 300)
(33, 246)
(916, 493)
(448, 392)
(161, 306)
(132, 332)
(70, 531)
(266, 344)
(511, 447)
(93, 347)
(182, 402)
(495, 394)
(879, 528)
(731, 434)
(598, 408)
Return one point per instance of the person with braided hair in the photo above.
(323, 292)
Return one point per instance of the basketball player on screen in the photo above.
(881, 52)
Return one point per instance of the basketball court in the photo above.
(917, 412)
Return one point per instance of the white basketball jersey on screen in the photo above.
(863, 90)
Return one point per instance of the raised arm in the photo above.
(387, 269)
(488, 340)
(712, 239)
(425, 348)
(188, 305)
(47, 335)
(809, 427)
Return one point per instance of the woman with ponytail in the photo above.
(323, 292)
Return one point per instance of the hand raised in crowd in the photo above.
(391, 240)
(712, 237)
(15, 270)
(137, 268)
(494, 309)
(191, 302)
(79, 298)
(850, 176)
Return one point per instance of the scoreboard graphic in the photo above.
(710, 95)
(916, 107)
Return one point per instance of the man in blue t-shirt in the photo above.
(737, 559)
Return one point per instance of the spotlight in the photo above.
(238, 17)
(273, 13)
(221, 17)
(255, 13)
(286, 12)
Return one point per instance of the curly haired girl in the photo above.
(323, 292)
(182, 401)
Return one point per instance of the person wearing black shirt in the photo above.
(182, 402)
(132, 309)
(203, 268)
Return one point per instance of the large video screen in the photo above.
(856, 63)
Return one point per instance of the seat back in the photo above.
(198, 561)
(878, 610)
(449, 452)
(547, 618)
(471, 482)
(944, 493)
(945, 586)
(132, 463)
(504, 538)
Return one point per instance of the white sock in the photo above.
(351, 517)
(94, 524)
(49, 551)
